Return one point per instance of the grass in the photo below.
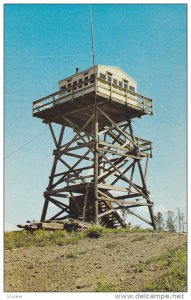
(42, 238)
(104, 286)
(126, 230)
(175, 279)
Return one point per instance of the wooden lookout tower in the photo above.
(99, 169)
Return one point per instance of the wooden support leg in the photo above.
(44, 211)
(96, 164)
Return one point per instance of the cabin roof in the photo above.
(118, 69)
(103, 66)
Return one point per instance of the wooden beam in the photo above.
(119, 153)
(135, 186)
(117, 128)
(82, 145)
(138, 216)
(112, 187)
(96, 161)
(53, 134)
(114, 146)
(78, 156)
(107, 212)
(71, 169)
(110, 170)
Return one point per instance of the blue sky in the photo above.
(45, 43)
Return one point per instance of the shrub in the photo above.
(95, 232)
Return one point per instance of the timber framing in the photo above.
(100, 171)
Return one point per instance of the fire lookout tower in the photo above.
(100, 169)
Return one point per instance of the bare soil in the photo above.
(114, 259)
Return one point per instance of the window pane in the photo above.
(86, 80)
(102, 76)
(132, 88)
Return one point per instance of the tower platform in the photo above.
(77, 105)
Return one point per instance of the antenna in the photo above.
(92, 35)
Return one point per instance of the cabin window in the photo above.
(63, 90)
(69, 89)
(80, 85)
(109, 78)
(92, 78)
(120, 83)
(115, 81)
(86, 80)
(74, 84)
(131, 88)
(102, 76)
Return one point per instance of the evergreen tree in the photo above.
(170, 222)
(159, 221)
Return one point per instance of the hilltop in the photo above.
(117, 260)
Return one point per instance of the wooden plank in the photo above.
(81, 145)
(120, 154)
(133, 195)
(114, 146)
(106, 213)
(112, 187)
(78, 156)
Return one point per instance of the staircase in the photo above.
(112, 219)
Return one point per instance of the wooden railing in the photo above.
(132, 99)
(140, 101)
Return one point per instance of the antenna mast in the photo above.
(92, 36)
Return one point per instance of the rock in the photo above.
(122, 279)
(80, 286)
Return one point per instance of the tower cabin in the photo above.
(113, 89)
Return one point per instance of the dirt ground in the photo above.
(113, 259)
